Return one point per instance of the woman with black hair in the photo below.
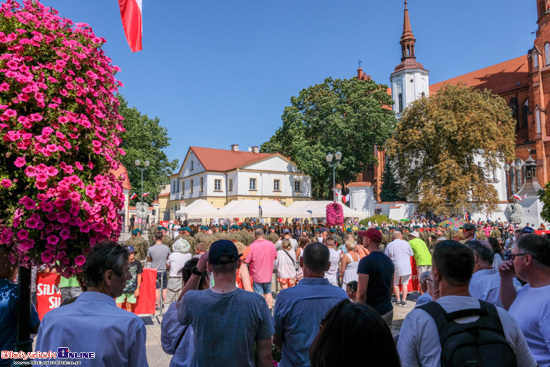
(351, 333)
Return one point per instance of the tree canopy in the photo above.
(446, 148)
(145, 139)
(349, 115)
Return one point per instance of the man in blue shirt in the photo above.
(8, 305)
(93, 326)
(299, 310)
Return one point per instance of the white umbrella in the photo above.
(251, 208)
(318, 209)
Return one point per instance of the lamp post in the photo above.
(337, 158)
(512, 169)
(142, 169)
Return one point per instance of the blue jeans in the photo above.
(262, 288)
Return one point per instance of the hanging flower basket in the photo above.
(335, 214)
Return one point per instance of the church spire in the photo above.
(407, 38)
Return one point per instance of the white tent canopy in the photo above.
(251, 208)
(199, 209)
(318, 209)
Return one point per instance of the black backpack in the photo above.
(478, 343)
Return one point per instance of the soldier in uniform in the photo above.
(185, 233)
(166, 240)
(272, 236)
(496, 232)
(139, 243)
(151, 235)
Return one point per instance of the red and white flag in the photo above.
(345, 198)
(134, 195)
(145, 194)
(520, 198)
(130, 12)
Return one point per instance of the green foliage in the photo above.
(376, 218)
(349, 115)
(145, 139)
(391, 189)
(544, 196)
(446, 147)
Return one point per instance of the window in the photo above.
(547, 53)
(297, 185)
(217, 185)
(537, 118)
(192, 166)
(252, 184)
(178, 186)
(191, 187)
(276, 185)
(230, 184)
(173, 186)
(182, 188)
(535, 59)
(202, 184)
(524, 113)
(400, 102)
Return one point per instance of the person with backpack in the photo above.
(457, 329)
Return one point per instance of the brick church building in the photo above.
(524, 82)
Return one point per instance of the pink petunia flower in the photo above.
(20, 162)
(6, 183)
(27, 202)
(79, 260)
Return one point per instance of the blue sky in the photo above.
(220, 72)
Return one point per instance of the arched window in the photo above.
(547, 53)
(524, 113)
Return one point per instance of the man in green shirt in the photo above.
(421, 255)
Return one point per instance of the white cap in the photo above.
(415, 234)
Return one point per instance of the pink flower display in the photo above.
(335, 214)
(61, 134)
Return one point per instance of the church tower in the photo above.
(409, 81)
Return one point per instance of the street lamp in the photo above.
(512, 170)
(142, 169)
(337, 158)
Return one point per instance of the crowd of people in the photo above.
(333, 304)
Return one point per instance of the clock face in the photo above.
(141, 210)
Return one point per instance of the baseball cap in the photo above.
(160, 228)
(374, 235)
(322, 230)
(469, 227)
(222, 248)
(286, 231)
(131, 249)
(415, 234)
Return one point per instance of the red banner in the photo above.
(146, 301)
(48, 295)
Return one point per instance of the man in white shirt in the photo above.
(485, 283)
(286, 235)
(419, 342)
(400, 252)
(530, 305)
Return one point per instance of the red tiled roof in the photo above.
(156, 202)
(134, 208)
(121, 172)
(503, 77)
(226, 160)
(359, 184)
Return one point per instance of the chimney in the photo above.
(255, 149)
(235, 147)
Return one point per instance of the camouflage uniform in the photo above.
(151, 235)
(496, 233)
(166, 240)
(273, 237)
(141, 246)
(208, 239)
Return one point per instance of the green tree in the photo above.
(145, 139)
(544, 196)
(446, 148)
(391, 189)
(349, 115)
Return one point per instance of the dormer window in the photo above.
(192, 166)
